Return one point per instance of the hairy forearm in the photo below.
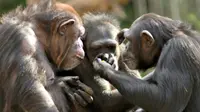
(104, 97)
(111, 101)
(32, 95)
(39, 99)
(117, 101)
(128, 86)
(139, 91)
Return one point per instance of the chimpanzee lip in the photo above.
(80, 56)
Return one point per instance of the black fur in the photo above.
(174, 84)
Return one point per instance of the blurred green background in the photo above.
(127, 10)
(6, 5)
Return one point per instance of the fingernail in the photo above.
(98, 59)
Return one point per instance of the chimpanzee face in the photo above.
(71, 55)
(141, 48)
(102, 41)
(64, 44)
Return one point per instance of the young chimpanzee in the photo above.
(173, 48)
(100, 38)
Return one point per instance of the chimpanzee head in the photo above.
(60, 31)
(146, 38)
(100, 38)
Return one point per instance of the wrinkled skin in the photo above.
(37, 40)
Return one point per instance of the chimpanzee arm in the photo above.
(167, 90)
(105, 98)
(168, 94)
(115, 100)
(148, 76)
(32, 95)
(28, 86)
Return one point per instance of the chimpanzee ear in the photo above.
(63, 25)
(120, 36)
(147, 38)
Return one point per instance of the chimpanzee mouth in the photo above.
(108, 58)
(75, 64)
(81, 57)
(80, 53)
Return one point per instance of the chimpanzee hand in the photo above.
(110, 59)
(82, 93)
(103, 66)
(78, 93)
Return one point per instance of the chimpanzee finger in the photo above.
(75, 98)
(121, 36)
(64, 87)
(86, 96)
(80, 100)
(67, 79)
(111, 55)
(114, 66)
(114, 62)
(85, 88)
(72, 82)
(105, 57)
(71, 98)
(100, 65)
(111, 61)
(68, 93)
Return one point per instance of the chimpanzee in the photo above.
(70, 100)
(33, 42)
(66, 7)
(173, 48)
(100, 38)
(77, 100)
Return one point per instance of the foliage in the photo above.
(6, 5)
(194, 20)
(125, 23)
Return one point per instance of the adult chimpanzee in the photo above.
(70, 100)
(100, 38)
(78, 100)
(33, 42)
(173, 47)
(66, 7)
